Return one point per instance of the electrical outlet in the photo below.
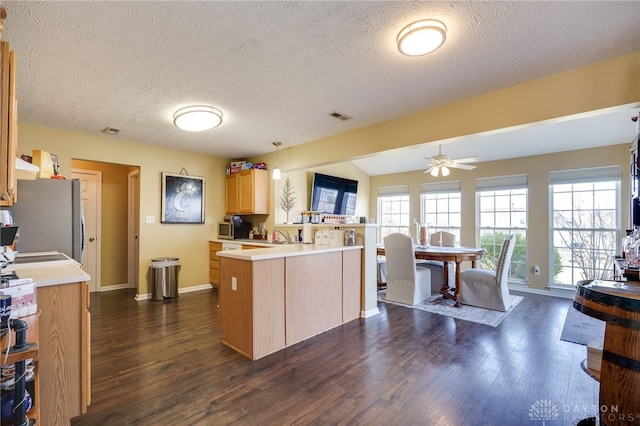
(234, 284)
(536, 270)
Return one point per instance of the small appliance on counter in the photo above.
(234, 230)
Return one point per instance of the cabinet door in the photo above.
(231, 194)
(247, 192)
(254, 191)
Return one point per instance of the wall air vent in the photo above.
(339, 116)
(111, 131)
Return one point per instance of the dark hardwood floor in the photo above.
(156, 363)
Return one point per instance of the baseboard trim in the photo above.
(553, 291)
(369, 313)
(147, 296)
(114, 287)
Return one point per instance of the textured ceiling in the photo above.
(277, 69)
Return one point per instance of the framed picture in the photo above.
(182, 198)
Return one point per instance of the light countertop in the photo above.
(54, 272)
(275, 251)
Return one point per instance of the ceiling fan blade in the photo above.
(461, 166)
(466, 160)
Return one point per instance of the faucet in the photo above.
(285, 234)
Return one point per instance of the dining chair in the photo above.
(405, 282)
(487, 288)
(442, 238)
(437, 267)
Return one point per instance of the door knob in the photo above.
(91, 239)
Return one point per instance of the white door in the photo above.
(91, 185)
(134, 227)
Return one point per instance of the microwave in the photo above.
(234, 230)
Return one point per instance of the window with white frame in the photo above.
(502, 210)
(585, 221)
(393, 211)
(441, 207)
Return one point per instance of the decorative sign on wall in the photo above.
(182, 198)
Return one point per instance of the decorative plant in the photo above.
(287, 200)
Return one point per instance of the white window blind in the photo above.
(393, 190)
(440, 187)
(593, 174)
(501, 182)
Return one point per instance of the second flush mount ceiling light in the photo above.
(421, 37)
(197, 118)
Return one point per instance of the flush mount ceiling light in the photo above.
(197, 118)
(276, 170)
(421, 37)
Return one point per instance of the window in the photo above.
(502, 210)
(393, 211)
(441, 207)
(585, 206)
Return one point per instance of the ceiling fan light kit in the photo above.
(440, 164)
(421, 37)
(197, 118)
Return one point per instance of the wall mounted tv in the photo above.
(333, 195)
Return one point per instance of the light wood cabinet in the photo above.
(267, 305)
(64, 359)
(8, 126)
(214, 263)
(247, 192)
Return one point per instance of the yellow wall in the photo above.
(302, 181)
(188, 242)
(114, 244)
(537, 169)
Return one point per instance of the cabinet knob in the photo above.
(91, 239)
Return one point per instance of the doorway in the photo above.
(117, 206)
(91, 194)
(134, 228)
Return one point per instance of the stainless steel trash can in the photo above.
(164, 278)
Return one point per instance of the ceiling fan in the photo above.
(441, 163)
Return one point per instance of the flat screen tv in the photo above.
(333, 195)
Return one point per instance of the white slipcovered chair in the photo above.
(405, 283)
(488, 289)
(437, 267)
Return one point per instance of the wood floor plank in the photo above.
(162, 363)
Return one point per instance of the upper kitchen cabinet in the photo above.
(247, 192)
(8, 126)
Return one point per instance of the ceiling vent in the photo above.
(111, 131)
(339, 116)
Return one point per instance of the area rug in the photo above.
(437, 304)
(581, 328)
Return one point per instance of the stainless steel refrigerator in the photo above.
(49, 216)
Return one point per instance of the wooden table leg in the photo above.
(445, 274)
(457, 292)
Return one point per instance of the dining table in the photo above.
(446, 254)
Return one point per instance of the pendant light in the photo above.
(276, 170)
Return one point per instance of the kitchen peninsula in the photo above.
(63, 363)
(275, 297)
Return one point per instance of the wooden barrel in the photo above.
(618, 304)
